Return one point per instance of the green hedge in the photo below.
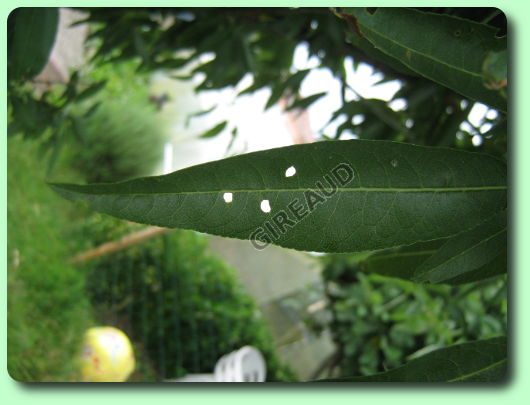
(180, 304)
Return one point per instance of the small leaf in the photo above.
(90, 91)
(92, 110)
(292, 83)
(175, 63)
(71, 89)
(216, 130)
(199, 114)
(479, 361)
(57, 145)
(345, 196)
(78, 129)
(467, 252)
(305, 102)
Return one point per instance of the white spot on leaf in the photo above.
(228, 197)
(394, 163)
(291, 171)
(265, 206)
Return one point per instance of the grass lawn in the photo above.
(47, 307)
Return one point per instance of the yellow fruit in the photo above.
(107, 355)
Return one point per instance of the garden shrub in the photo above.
(183, 306)
(379, 322)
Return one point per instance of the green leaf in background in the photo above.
(479, 361)
(448, 50)
(400, 262)
(292, 84)
(216, 130)
(463, 254)
(304, 103)
(91, 91)
(199, 114)
(31, 40)
(344, 196)
(372, 52)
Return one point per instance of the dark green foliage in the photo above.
(380, 323)
(395, 194)
(47, 308)
(481, 361)
(261, 42)
(451, 52)
(182, 305)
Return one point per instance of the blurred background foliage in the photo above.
(261, 42)
(101, 126)
(48, 308)
(379, 323)
(184, 304)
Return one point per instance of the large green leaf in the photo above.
(479, 361)
(448, 50)
(483, 247)
(400, 262)
(381, 194)
(31, 40)
(473, 255)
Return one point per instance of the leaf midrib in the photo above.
(301, 190)
(455, 257)
(403, 254)
(427, 56)
(482, 370)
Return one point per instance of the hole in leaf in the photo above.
(291, 171)
(265, 206)
(228, 197)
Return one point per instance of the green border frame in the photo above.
(514, 391)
